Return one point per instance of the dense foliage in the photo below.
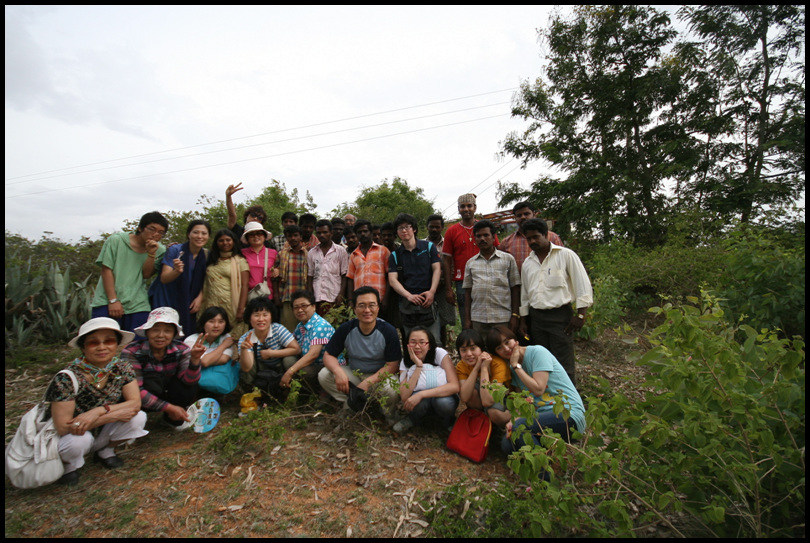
(383, 202)
(645, 124)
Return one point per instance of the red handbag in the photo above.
(470, 435)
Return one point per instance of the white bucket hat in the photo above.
(254, 227)
(102, 323)
(161, 314)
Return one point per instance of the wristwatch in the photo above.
(581, 316)
(112, 301)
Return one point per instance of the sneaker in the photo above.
(403, 426)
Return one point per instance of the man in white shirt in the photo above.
(552, 278)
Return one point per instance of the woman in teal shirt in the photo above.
(536, 370)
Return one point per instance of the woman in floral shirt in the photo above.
(106, 409)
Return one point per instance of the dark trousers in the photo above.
(547, 328)
(170, 388)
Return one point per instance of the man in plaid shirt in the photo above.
(293, 269)
(516, 244)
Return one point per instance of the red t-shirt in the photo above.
(459, 243)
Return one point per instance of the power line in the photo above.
(263, 134)
(256, 158)
(253, 145)
(485, 179)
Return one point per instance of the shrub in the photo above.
(608, 307)
(716, 448)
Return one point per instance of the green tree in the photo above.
(383, 202)
(600, 115)
(748, 75)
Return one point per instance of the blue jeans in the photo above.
(443, 408)
(128, 322)
(544, 419)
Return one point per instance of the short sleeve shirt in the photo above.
(538, 358)
(370, 269)
(209, 347)
(417, 273)
(490, 283)
(278, 338)
(367, 353)
(89, 397)
(316, 331)
(327, 271)
(127, 268)
(431, 376)
(498, 371)
(459, 243)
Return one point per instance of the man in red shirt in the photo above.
(459, 246)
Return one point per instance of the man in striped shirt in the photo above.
(293, 269)
(515, 244)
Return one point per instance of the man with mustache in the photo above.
(552, 278)
(491, 284)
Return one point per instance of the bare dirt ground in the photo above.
(325, 477)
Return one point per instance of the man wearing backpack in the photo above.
(414, 269)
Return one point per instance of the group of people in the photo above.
(249, 313)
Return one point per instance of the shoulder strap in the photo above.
(72, 379)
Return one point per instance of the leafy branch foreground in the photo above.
(715, 449)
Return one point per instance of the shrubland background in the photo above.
(681, 158)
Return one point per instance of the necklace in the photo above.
(97, 377)
(469, 230)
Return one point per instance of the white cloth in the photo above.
(432, 375)
(73, 448)
(192, 339)
(558, 281)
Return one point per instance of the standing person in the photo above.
(349, 219)
(351, 239)
(127, 261)
(288, 218)
(414, 269)
(491, 285)
(307, 223)
(328, 264)
(181, 280)
(390, 310)
(372, 353)
(428, 382)
(375, 234)
(534, 369)
(312, 334)
(108, 398)
(515, 244)
(368, 264)
(338, 226)
(261, 259)
(553, 278)
(293, 271)
(167, 370)
(446, 310)
(388, 236)
(252, 214)
(459, 246)
(266, 349)
(226, 279)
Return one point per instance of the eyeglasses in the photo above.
(420, 343)
(363, 307)
(157, 231)
(301, 307)
(404, 227)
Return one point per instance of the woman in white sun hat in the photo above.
(167, 370)
(105, 409)
(260, 259)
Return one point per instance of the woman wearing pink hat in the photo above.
(103, 407)
(167, 370)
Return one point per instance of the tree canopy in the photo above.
(383, 202)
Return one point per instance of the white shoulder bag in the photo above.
(32, 456)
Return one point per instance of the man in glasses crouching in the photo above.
(372, 352)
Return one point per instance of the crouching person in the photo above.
(265, 350)
(372, 353)
(105, 409)
(167, 370)
(312, 334)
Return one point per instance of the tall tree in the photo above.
(383, 202)
(600, 116)
(752, 117)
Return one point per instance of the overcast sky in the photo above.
(115, 111)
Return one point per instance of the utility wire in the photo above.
(263, 134)
(256, 158)
(253, 145)
(485, 179)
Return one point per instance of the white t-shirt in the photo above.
(192, 339)
(432, 375)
